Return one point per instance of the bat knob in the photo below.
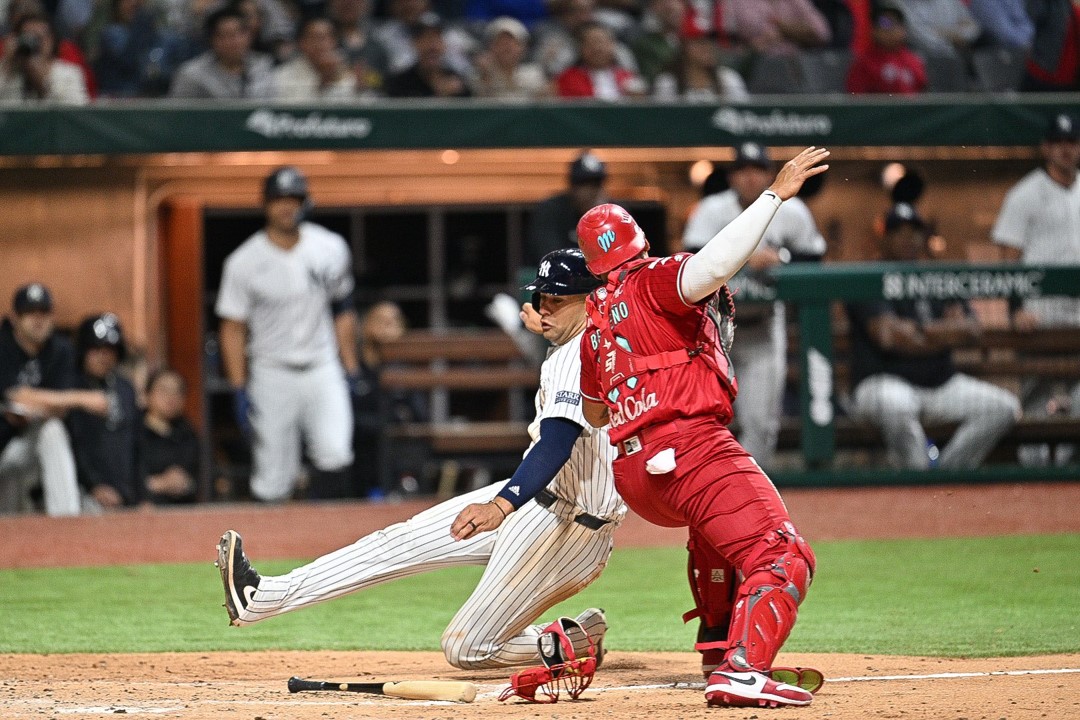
(294, 684)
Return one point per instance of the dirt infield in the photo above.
(205, 686)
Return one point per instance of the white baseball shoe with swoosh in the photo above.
(239, 578)
(751, 689)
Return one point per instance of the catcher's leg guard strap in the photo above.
(713, 584)
(778, 573)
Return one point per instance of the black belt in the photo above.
(296, 367)
(546, 498)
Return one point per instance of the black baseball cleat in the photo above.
(239, 578)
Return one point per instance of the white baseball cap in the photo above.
(507, 24)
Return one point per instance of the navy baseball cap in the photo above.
(751, 154)
(34, 297)
(1064, 127)
(587, 168)
(901, 213)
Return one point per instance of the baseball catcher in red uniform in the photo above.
(655, 367)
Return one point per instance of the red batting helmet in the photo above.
(609, 236)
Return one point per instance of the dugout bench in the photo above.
(454, 367)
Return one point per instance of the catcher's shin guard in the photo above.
(778, 573)
(713, 584)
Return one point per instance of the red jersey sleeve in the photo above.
(590, 376)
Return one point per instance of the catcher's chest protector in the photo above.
(619, 365)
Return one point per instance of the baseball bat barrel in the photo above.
(446, 690)
(449, 690)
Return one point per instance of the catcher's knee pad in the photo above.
(713, 583)
(778, 572)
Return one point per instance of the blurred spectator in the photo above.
(106, 446)
(272, 29)
(168, 445)
(37, 374)
(65, 49)
(889, 66)
(759, 353)
(395, 34)
(1039, 224)
(709, 16)
(597, 73)
(431, 75)
(1054, 62)
(939, 27)
(319, 71)
(501, 72)
(529, 12)
(375, 407)
(30, 70)
(698, 76)
(778, 27)
(364, 53)
(558, 39)
(1004, 23)
(902, 371)
(620, 16)
(229, 69)
(184, 21)
(70, 17)
(553, 224)
(132, 58)
(656, 48)
(842, 20)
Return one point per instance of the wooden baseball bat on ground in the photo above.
(448, 690)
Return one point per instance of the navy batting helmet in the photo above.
(286, 181)
(100, 331)
(562, 272)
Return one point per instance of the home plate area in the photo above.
(653, 686)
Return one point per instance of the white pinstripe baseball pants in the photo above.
(534, 560)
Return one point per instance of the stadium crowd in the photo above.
(87, 51)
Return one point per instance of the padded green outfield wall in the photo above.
(153, 127)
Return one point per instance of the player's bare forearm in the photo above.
(596, 413)
(57, 403)
(232, 338)
(346, 327)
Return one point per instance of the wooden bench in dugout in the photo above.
(462, 361)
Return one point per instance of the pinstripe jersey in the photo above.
(586, 478)
(284, 296)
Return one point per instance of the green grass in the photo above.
(963, 597)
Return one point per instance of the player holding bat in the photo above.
(543, 535)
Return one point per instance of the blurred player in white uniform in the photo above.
(287, 315)
(544, 534)
(1039, 224)
(760, 355)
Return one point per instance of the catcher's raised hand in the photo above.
(480, 517)
(796, 171)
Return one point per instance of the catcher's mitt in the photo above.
(562, 669)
